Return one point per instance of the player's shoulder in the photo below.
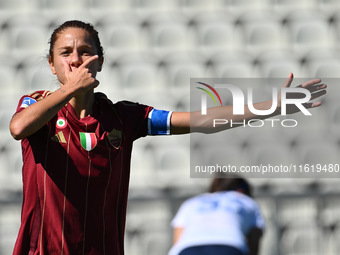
(198, 198)
(102, 98)
(31, 98)
(129, 107)
(126, 103)
(38, 95)
(246, 200)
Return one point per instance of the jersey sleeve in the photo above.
(135, 118)
(144, 120)
(29, 99)
(181, 217)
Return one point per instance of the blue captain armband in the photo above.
(159, 122)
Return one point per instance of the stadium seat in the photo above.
(124, 37)
(139, 76)
(4, 42)
(278, 63)
(329, 214)
(27, 35)
(148, 234)
(216, 35)
(28, 39)
(329, 7)
(36, 74)
(286, 6)
(269, 240)
(170, 36)
(155, 5)
(62, 6)
(308, 31)
(198, 5)
(334, 118)
(324, 69)
(10, 223)
(172, 164)
(233, 64)
(157, 98)
(134, 73)
(180, 66)
(297, 212)
(243, 6)
(142, 166)
(15, 6)
(55, 18)
(262, 35)
(318, 161)
(334, 241)
(8, 76)
(281, 68)
(168, 31)
(100, 7)
(300, 241)
(121, 34)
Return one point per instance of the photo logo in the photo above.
(206, 91)
(300, 97)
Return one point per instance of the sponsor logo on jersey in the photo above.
(115, 138)
(59, 137)
(27, 102)
(88, 140)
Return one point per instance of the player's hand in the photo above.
(313, 86)
(82, 78)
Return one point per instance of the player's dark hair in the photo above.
(230, 182)
(76, 24)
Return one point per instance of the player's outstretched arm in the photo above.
(186, 122)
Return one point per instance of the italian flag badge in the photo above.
(88, 140)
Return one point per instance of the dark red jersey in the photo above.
(76, 177)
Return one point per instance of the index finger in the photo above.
(310, 83)
(67, 70)
(89, 61)
(288, 81)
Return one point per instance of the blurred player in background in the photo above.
(225, 221)
(76, 147)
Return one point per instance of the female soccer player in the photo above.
(76, 148)
(224, 221)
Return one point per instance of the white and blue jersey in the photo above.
(223, 218)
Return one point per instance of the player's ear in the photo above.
(52, 66)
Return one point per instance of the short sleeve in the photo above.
(29, 99)
(181, 217)
(135, 118)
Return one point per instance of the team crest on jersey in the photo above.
(61, 123)
(88, 140)
(115, 138)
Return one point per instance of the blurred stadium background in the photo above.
(152, 48)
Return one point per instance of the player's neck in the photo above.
(83, 104)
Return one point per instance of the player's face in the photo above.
(72, 47)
